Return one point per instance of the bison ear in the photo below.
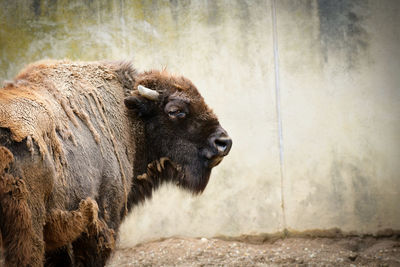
(139, 104)
(131, 102)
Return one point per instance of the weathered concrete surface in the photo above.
(339, 85)
(340, 102)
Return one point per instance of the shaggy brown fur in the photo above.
(6, 157)
(16, 222)
(15, 216)
(157, 172)
(63, 227)
(79, 147)
(95, 251)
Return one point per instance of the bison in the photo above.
(81, 143)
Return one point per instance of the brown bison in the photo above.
(82, 143)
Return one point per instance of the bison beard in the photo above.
(165, 170)
(83, 143)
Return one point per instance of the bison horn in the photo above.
(148, 93)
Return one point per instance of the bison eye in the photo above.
(179, 114)
(176, 109)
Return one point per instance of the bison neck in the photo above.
(148, 171)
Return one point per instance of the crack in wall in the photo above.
(278, 107)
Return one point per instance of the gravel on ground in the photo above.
(292, 251)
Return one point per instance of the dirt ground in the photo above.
(292, 251)
(347, 251)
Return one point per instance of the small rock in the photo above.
(203, 239)
(353, 257)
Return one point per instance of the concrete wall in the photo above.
(308, 90)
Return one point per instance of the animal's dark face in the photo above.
(179, 126)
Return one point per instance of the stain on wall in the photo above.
(343, 27)
(354, 192)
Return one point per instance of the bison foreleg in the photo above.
(94, 247)
(23, 245)
(64, 227)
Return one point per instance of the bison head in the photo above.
(180, 127)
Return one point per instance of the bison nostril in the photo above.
(223, 144)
